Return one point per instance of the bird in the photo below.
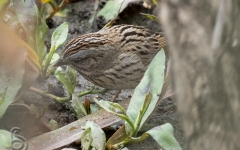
(114, 58)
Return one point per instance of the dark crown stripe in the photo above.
(70, 50)
(124, 28)
(75, 49)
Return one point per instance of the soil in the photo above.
(78, 16)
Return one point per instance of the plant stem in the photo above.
(91, 91)
(143, 110)
(48, 60)
(58, 99)
(137, 124)
(121, 144)
(129, 140)
(126, 118)
(56, 9)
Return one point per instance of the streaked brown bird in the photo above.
(115, 57)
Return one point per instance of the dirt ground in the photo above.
(77, 18)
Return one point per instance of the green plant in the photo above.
(93, 136)
(30, 15)
(6, 139)
(146, 96)
(59, 36)
(54, 6)
(28, 49)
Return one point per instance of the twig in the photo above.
(56, 9)
(58, 99)
(116, 95)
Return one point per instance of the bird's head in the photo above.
(84, 53)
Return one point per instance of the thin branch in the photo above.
(56, 9)
(43, 93)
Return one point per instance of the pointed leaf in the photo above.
(55, 57)
(59, 36)
(164, 136)
(151, 82)
(6, 139)
(12, 68)
(141, 113)
(111, 107)
(86, 139)
(116, 109)
(67, 77)
(9, 35)
(99, 138)
(111, 8)
(78, 106)
(31, 15)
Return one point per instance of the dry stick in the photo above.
(116, 95)
(58, 99)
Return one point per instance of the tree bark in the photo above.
(204, 42)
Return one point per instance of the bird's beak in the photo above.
(59, 62)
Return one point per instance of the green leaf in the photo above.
(59, 36)
(5, 138)
(78, 107)
(111, 8)
(53, 125)
(55, 57)
(10, 36)
(12, 68)
(86, 139)
(12, 140)
(31, 15)
(151, 82)
(41, 32)
(116, 109)
(50, 68)
(99, 138)
(67, 77)
(40, 41)
(141, 113)
(164, 136)
(146, 103)
(150, 16)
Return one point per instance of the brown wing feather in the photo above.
(143, 42)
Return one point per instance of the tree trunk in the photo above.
(204, 40)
